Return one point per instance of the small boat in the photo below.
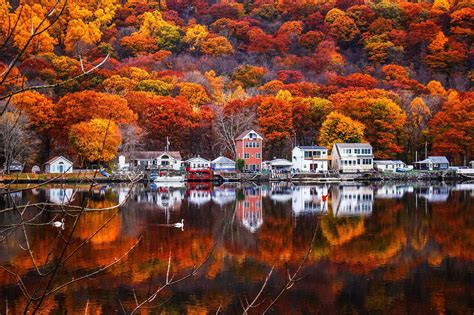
(167, 178)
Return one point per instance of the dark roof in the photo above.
(151, 155)
(54, 158)
(438, 159)
(311, 147)
(245, 133)
(434, 159)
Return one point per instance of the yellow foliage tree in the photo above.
(442, 5)
(29, 18)
(195, 36)
(436, 88)
(217, 46)
(340, 128)
(84, 19)
(284, 95)
(195, 93)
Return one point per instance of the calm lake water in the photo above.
(393, 248)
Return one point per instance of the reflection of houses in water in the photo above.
(164, 197)
(392, 191)
(352, 200)
(433, 193)
(199, 194)
(309, 199)
(223, 195)
(249, 210)
(280, 192)
(60, 196)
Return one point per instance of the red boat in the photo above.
(200, 175)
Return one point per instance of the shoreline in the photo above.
(298, 180)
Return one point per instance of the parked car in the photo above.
(403, 169)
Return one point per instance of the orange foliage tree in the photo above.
(382, 116)
(452, 129)
(38, 107)
(96, 140)
(83, 106)
(274, 120)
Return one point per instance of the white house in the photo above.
(471, 164)
(58, 164)
(352, 157)
(152, 159)
(277, 165)
(198, 163)
(388, 165)
(310, 158)
(223, 164)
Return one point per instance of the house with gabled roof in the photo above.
(151, 160)
(223, 164)
(248, 146)
(432, 163)
(58, 165)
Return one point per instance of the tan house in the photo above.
(352, 157)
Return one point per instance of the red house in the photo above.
(249, 148)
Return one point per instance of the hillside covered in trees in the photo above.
(396, 74)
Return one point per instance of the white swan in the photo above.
(179, 225)
(58, 224)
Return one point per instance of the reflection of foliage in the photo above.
(339, 230)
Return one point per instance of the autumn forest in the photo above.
(396, 74)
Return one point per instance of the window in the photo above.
(258, 156)
(356, 151)
(358, 161)
(246, 156)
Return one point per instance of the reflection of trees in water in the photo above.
(392, 245)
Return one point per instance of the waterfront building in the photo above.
(310, 158)
(58, 164)
(170, 160)
(352, 157)
(433, 163)
(388, 165)
(248, 146)
(223, 164)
